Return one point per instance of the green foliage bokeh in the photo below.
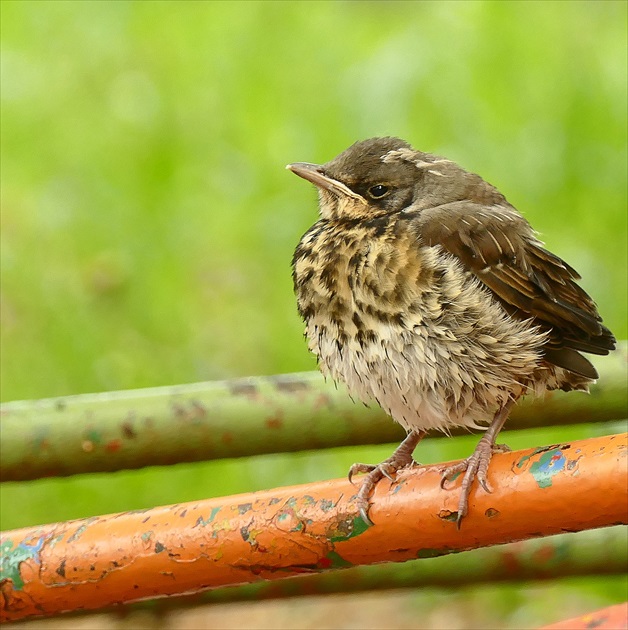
(148, 222)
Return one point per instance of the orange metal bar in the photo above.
(99, 561)
(611, 618)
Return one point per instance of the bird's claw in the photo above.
(360, 468)
(364, 514)
(374, 474)
(474, 467)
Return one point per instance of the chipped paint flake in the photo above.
(11, 557)
(549, 464)
(204, 522)
(347, 529)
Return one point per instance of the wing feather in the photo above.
(499, 246)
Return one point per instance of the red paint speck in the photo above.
(324, 563)
(113, 446)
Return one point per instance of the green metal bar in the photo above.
(237, 418)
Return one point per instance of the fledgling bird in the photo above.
(423, 289)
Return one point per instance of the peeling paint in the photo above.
(291, 520)
(250, 536)
(302, 529)
(203, 523)
(550, 464)
(61, 569)
(77, 534)
(347, 529)
(12, 556)
(448, 515)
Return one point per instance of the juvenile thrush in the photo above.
(423, 289)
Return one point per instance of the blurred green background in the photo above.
(148, 222)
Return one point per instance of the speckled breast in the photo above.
(403, 324)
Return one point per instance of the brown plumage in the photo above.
(423, 289)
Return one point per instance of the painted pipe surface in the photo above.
(184, 548)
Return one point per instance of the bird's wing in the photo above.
(498, 245)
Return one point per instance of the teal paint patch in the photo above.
(540, 449)
(93, 436)
(290, 515)
(201, 521)
(12, 557)
(147, 535)
(550, 464)
(325, 505)
(309, 500)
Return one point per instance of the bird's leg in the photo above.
(476, 466)
(401, 458)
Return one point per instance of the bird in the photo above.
(424, 290)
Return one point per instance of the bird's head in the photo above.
(383, 176)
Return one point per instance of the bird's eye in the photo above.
(378, 191)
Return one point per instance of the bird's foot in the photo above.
(474, 467)
(374, 474)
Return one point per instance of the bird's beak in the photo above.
(314, 173)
